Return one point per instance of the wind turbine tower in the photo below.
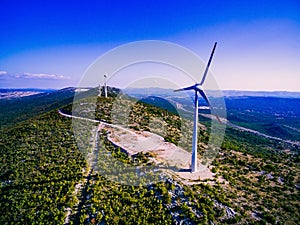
(99, 90)
(105, 85)
(198, 89)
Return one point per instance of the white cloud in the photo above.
(2, 72)
(43, 76)
(33, 76)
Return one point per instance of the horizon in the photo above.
(66, 87)
(258, 42)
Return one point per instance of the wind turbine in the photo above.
(198, 89)
(99, 90)
(105, 86)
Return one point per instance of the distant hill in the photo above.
(13, 110)
(27, 89)
(278, 94)
(141, 92)
(9, 93)
(27, 103)
(273, 113)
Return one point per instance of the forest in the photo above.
(47, 178)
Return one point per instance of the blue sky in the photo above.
(49, 44)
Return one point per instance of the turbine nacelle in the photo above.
(193, 87)
(198, 89)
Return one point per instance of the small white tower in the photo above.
(105, 86)
(99, 90)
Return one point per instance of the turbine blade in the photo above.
(202, 93)
(193, 87)
(182, 89)
(208, 64)
(218, 118)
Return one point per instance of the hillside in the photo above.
(46, 178)
(14, 110)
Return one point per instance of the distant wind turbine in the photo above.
(198, 89)
(99, 90)
(105, 86)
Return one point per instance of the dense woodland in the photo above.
(40, 165)
(46, 176)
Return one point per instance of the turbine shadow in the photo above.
(184, 170)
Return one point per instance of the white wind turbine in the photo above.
(198, 89)
(99, 90)
(105, 86)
